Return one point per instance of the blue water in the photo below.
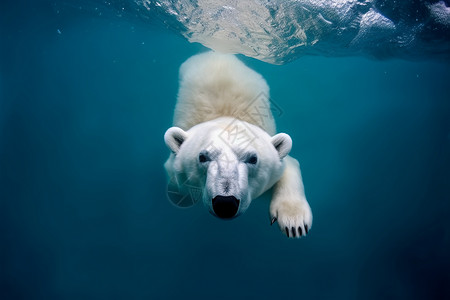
(84, 103)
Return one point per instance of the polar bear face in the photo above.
(231, 161)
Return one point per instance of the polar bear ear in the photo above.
(282, 143)
(174, 137)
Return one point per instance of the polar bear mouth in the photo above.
(225, 207)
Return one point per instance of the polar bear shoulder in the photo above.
(214, 85)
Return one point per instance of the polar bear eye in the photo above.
(252, 159)
(203, 157)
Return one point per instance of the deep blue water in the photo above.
(84, 103)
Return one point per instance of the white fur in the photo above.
(223, 113)
(214, 85)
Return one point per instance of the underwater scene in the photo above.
(88, 90)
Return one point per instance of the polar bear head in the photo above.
(230, 161)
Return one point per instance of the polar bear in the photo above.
(225, 147)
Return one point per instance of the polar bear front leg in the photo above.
(288, 205)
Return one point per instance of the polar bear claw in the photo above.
(294, 217)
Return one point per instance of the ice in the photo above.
(281, 31)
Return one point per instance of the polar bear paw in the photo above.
(294, 217)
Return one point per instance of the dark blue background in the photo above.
(85, 98)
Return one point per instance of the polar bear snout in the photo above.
(225, 207)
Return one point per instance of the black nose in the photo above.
(225, 207)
